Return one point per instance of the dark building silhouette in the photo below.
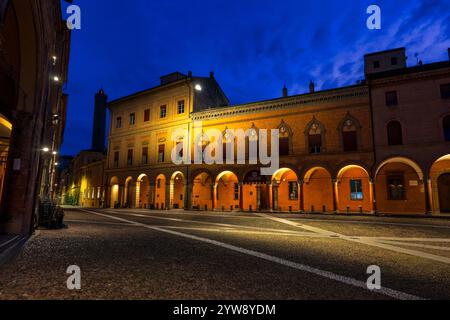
(99, 126)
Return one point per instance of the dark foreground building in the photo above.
(34, 54)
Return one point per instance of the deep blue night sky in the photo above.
(254, 46)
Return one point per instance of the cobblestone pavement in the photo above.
(140, 254)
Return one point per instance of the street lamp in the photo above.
(45, 149)
(198, 87)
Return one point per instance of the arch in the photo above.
(5, 136)
(315, 137)
(439, 185)
(202, 190)
(318, 190)
(142, 191)
(177, 190)
(227, 191)
(285, 190)
(161, 192)
(255, 190)
(114, 180)
(354, 189)
(129, 192)
(403, 160)
(394, 133)
(400, 186)
(446, 127)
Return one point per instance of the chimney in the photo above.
(312, 88)
(211, 74)
(285, 92)
(99, 126)
(189, 74)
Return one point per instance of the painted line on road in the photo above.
(366, 241)
(373, 222)
(424, 246)
(322, 273)
(407, 239)
(202, 222)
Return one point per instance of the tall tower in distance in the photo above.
(99, 127)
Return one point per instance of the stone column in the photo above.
(188, 196)
(335, 195)
(214, 194)
(132, 199)
(258, 197)
(121, 198)
(241, 197)
(270, 194)
(426, 185)
(275, 196)
(151, 195)
(300, 196)
(168, 200)
(373, 198)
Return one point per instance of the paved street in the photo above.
(140, 254)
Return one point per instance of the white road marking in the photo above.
(416, 245)
(373, 222)
(202, 222)
(325, 274)
(367, 241)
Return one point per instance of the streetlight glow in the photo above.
(45, 149)
(198, 87)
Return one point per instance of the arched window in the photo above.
(315, 139)
(394, 132)
(228, 145)
(285, 142)
(252, 145)
(446, 124)
(349, 136)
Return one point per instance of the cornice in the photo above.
(282, 103)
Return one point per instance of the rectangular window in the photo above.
(119, 122)
(163, 112)
(132, 119)
(284, 146)
(236, 191)
(130, 158)
(161, 153)
(293, 190)
(181, 107)
(145, 155)
(394, 61)
(356, 191)
(146, 115)
(445, 91)
(158, 184)
(116, 159)
(396, 187)
(376, 64)
(315, 143)
(350, 140)
(391, 98)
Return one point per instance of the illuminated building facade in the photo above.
(381, 146)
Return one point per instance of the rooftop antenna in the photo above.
(417, 57)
